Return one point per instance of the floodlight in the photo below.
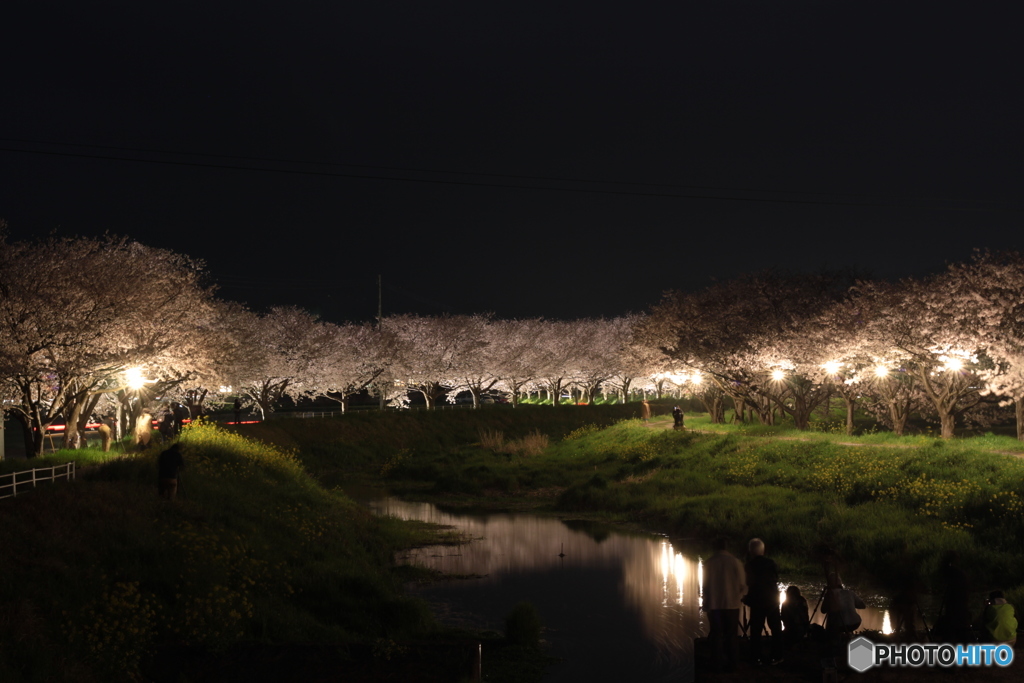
(832, 367)
(134, 378)
(778, 375)
(881, 371)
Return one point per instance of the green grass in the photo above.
(82, 457)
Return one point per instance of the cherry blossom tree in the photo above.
(281, 355)
(732, 333)
(476, 368)
(559, 349)
(513, 352)
(359, 355)
(75, 313)
(599, 343)
(434, 351)
(914, 331)
(986, 297)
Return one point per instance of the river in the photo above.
(615, 605)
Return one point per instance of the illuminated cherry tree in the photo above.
(514, 354)
(986, 297)
(281, 354)
(76, 313)
(734, 334)
(435, 352)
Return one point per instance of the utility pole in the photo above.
(380, 325)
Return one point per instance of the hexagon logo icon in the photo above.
(861, 654)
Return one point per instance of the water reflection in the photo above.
(616, 606)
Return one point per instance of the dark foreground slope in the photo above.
(255, 573)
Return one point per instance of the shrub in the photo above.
(492, 440)
(532, 444)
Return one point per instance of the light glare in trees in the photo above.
(134, 378)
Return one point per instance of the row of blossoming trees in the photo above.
(949, 346)
(80, 318)
(111, 326)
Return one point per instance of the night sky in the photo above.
(529, 158)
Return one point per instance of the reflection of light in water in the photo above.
(673, 566)
(656, 581)
(700, 583)
(886, 624)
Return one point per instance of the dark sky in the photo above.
(730, 136)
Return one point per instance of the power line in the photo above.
(402, 169)
(666, 195)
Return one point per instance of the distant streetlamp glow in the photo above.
(695, 378)
(954, 364)
(134, 378)
(778, 375)
(881, 371)
(832, 367)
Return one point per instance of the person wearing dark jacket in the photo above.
(677, 417)
(795, 618)
(169, 465)
(763, 599)
(954, 623)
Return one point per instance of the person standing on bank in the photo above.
(677, 417)
(169, 465)
(763, 600)
(645, 410)
(724, 586)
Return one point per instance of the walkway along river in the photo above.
(615, 606)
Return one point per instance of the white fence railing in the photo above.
(10, 483)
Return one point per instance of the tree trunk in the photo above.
(801, 413)
(38, 433)
(850, 406)
(118, 422)
(70, 440)
(765, 412)
(194, 401)
(739, 407)
(1018, 405)
(948, 422)
(899, 419)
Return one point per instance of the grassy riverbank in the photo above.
(264, 567)
(889, 507)
(256, 571)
